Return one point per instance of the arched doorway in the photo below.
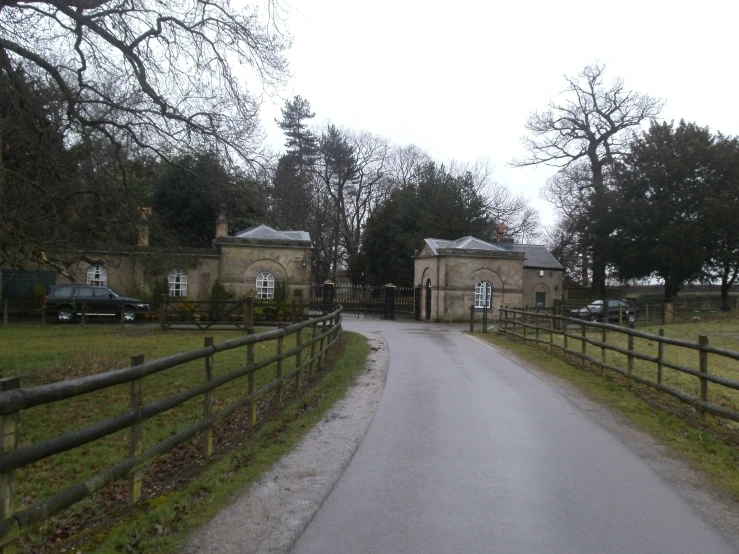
(428, 299)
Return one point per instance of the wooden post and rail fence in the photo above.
(315, 339)
(520, 324)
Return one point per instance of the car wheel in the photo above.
(631, 318)
(594, 318)
(129, 315)
(65, 315)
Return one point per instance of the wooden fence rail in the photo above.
(14, 399)
(511, 320)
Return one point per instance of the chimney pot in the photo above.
(221, 222)
(143, 226)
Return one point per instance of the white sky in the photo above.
(459, 79)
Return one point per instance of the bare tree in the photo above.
(165, 76)
(521, 220)
(569, 191)
(593, 122)
(405, 164)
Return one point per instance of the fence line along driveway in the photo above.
(313, 339)
(676, 367)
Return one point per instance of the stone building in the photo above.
(260, 261)
(456, 274)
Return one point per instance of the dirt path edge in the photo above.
(271, 515)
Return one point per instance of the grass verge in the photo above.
(705, 447)
(162, 524)
(41, 355)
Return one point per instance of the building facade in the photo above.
(260, 261)
(455, 275)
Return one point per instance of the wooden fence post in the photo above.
(135, 436)
(298, 357)
(83, 319)
(525, 324)
(162, 308)
(43, 314)
(249, 315)
(251, 384)
(123, 315)
(314, 328)
(280, 388)
(583, 333)
(208, 401)
(8, 444)
(321, 353)
(631, 357)
(6, 312)
(703, 356)
(620, 314)
(660, 355)
(564, 334)
(552, 322)
(603, 339)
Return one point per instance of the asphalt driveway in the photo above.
(470, 452)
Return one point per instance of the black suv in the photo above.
(594, 311)
(69, 301)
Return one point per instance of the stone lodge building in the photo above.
(456, 274)
(259, 261)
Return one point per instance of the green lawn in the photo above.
(40, 355)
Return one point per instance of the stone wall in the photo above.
(134, 273)
(240, 265)
(454, 277)
(549, 281)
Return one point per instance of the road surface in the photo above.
(469, 452)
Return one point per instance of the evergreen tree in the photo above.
(186, 199)
(662, 186)
(292, 186)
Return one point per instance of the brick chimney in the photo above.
(221, 222)
(501, 230)
(143, 226)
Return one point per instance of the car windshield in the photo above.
(597, 304)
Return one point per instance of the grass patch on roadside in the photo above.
(706, 449)
(723, 334)
(40, 355)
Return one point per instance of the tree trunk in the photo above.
(728, 276)
(671, 289)
(599, 214)
(585, 275)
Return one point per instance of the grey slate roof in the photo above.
(465, 243)
(537, 256)
(265, 232)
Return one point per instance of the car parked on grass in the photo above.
(71, 301)
(594, 311)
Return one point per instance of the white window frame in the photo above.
(97, 275)
(177, 282)
(481, 288)
(265, 286)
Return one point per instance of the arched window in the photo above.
(483, 292)
(177, 282)
(97, 275)
(265, 285)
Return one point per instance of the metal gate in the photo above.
(370, 301)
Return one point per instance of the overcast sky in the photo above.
(459, 79)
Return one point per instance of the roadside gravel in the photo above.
(272, 514)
